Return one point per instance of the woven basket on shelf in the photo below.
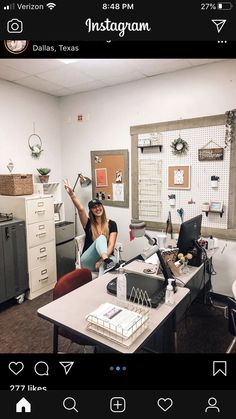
(16, 184)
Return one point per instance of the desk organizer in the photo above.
(133, 319)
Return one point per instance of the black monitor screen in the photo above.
(190, 231)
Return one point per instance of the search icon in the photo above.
(71, 405)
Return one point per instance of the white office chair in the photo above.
(234, 289)
(79, 242)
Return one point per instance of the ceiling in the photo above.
(59, 79)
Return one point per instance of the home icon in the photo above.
(23, 406)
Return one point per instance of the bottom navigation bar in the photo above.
(198, 404)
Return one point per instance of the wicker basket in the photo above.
(17, 184)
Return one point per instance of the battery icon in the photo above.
(226, 5)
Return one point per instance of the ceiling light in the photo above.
(68, 60)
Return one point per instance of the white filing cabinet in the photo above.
(54, 189)
(38, 213)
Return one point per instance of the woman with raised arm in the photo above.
(100, 234)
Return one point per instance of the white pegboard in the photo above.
(154, 165)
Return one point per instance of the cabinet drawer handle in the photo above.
(42, 257)
(43, 279)
(42, 227)
(41, 204)
(41, 235)
(40, 212)
(44, 272)
(42, 249)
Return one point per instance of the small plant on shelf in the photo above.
(171, 199)
(44, 174)
(44, 171)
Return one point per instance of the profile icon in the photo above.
(212, 405)
(16, 47)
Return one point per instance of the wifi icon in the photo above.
(51, 5)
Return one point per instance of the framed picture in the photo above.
(110, 177)
(216, 206)
(178, 177)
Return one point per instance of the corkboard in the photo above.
(184, 178)
(110, 176)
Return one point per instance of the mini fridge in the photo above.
(65, 247)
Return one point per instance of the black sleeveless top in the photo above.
(112, 226)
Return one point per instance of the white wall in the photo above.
(200, 91)
(20, 107)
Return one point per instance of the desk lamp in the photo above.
(138, 230)
(84, 182)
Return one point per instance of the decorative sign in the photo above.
(210, 154)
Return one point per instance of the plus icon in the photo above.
(117, 404)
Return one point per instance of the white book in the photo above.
(117, 320)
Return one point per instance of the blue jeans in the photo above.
(93, 254)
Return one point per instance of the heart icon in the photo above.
(16, 367)
(165, 404)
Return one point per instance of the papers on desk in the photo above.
(117, 322)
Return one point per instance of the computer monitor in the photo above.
(190, 232)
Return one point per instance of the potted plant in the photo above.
(43, 177)
(172, 199)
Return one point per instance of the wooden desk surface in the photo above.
(71, 309)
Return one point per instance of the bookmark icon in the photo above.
(66, 365)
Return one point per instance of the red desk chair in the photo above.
(64, 285)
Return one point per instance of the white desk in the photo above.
(138, 266)
(70, 311)
(196, 279)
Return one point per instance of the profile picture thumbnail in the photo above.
(16, 47)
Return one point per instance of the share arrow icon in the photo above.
(66, 365)
(219, 24)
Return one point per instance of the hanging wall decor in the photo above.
(35, 145)
(229, 126)
(208, 153)
(10, 165)
(179, 177)
(179, 146)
